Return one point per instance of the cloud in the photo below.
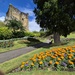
(33, 26)
(2, 18)
(27, 10)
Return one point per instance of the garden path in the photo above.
(15, 53)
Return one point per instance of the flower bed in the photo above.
(55, 59)
(6, 43)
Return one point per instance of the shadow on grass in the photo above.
(37, 43)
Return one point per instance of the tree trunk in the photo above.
(56, 38)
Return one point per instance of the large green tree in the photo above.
(56, 16)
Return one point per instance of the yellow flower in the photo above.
(27, 62)
(56, 62)
(69, 57)
(50, 62)
(32, 64)
(40, 62)
(23, 63)
(58, 59)
(62, 57)
(70, 62)
(34, 60)
(22, 66)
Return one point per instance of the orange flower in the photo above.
(23, 63)
(53, 57)
(69, 57)
(40, 62)
(34, 60)
(27, 62)
(50, 62)
(22, 66)
(58, 59)
(70, 62)
(62, 57)
(56, 62)
(32, 64)
(74, 58)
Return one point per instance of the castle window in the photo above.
(23, 19)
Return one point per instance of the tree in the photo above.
(55, 15)
(15, 25)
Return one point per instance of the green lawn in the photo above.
(71, 35)
(41, 72)
(16, 46)
(8, 65)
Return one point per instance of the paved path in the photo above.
(15, 53)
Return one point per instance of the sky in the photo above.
(26, 6)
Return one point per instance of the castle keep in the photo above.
(14, 13)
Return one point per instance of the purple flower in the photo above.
(46, 64)
(26, 64)
(64, 64)
(65, 55)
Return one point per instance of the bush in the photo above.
(18, 34)
(32, 34)
(32, 39)
(29, 34)
(5, 33)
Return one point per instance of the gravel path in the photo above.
(15, 53)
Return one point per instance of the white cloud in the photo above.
(2, 18)
(29, 11)
(33, 26)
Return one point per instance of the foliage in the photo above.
(32, 39)
(18, 34)
(55, 59)
(5, 33)
(56, 15)
(32, 34)
(15, 25)
(2, 24)
(6, 43)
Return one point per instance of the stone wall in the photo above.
(14, 13)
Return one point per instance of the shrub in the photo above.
(32, 39)
(32, 34)
(18, 34)
(5, 33)
(29, 34)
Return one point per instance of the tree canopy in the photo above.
(56, 15)
(15, 25)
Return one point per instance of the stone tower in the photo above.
(14, 13)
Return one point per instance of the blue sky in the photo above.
(26, 6)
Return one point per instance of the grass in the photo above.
(17, 46)
(41, 72)
(8, 65)
(71, 35)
